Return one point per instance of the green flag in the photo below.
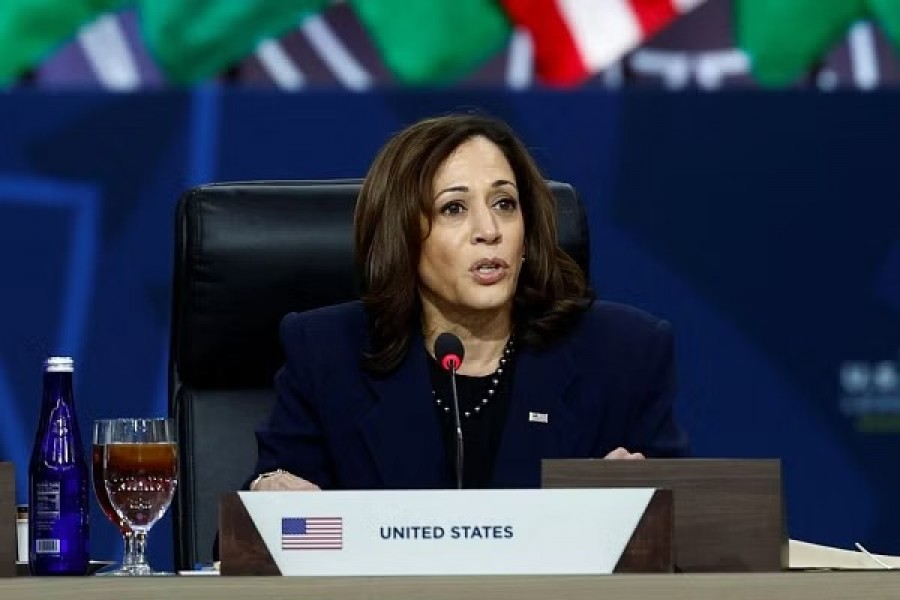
(31, 29)
(195, 39)
(887, 13)
(785, 38)
(432, 41)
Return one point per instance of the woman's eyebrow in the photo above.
(455, 188)
(502, 182)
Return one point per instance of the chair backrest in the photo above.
(246, 254)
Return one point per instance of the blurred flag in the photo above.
(574, 39)
(31, 29)
(433, 41)
(887, 13)
(785, 38)
(196, 39)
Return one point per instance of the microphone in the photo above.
(449, 351)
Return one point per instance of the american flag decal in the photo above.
(312, 533)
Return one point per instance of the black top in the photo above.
(482, 430)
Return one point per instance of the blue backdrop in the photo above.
(762, 225)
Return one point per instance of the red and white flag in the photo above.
(575, 38)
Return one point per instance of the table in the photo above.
(871, 585)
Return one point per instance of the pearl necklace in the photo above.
(496, 378)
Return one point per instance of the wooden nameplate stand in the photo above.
(729, 514)
(8, 548)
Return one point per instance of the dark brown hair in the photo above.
(397, 194)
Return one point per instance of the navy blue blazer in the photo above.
(609, 383)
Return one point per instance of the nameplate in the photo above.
(446, 532)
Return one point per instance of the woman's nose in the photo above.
(484, 228)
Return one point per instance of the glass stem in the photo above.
(139, 547)
(128, 555)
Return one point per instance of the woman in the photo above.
(455, 232)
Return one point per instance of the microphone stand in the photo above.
(459, 435)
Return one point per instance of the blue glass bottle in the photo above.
(58, 524)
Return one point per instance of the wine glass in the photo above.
(102, 428)
(140, 475)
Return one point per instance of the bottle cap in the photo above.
(59, 364)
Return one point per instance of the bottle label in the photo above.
(58, 526)
(46, 515)
(46, 546)
(46, 509)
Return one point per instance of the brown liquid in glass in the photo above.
(141, 480)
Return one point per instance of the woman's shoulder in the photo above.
(626, 315)
(336, 322)
(618, 342)
(620, 325)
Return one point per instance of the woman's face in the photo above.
(472, 258)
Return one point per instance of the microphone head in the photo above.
(449, 351)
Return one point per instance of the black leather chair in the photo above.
(245, 255)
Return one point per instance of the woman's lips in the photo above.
(489, 271)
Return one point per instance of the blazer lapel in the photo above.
(538, 424)
(402, 428)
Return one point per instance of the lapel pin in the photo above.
(536, 417)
